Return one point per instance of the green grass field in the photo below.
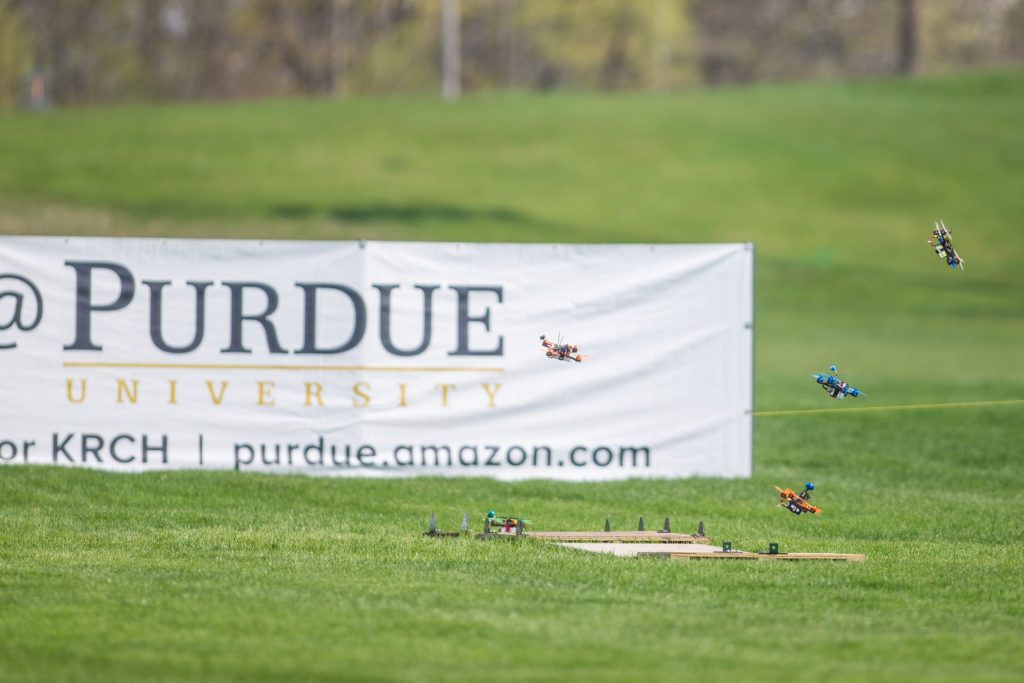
(237, 577)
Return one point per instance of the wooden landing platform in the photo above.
(743, 555)
(615, 537)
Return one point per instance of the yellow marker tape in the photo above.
(256, 366)
(917, 406)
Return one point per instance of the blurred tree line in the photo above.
(83, 51)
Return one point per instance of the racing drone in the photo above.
(494, 523)
(942, 243)
(798, 503)
(560, 351)
(836, 387)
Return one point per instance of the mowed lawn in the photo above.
(240, 577)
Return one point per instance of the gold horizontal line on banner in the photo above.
(862, 409)
(245, 366)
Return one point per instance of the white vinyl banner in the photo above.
(377, 358)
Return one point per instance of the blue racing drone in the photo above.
(942, 243)
(836, 387)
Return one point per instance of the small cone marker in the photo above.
(465, 522)
(668, 527)
(607, 523)
(700, 529)
(641, 526)
(433, 523)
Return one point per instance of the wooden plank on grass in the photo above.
(742, 555)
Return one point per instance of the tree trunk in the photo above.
(907, 37)
(451, 66)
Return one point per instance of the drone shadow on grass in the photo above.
(413, 214)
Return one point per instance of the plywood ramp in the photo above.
(663, 550)
(616, 537)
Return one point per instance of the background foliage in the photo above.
(117, 50)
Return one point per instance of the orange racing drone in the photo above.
(561, 351)
(798, 503)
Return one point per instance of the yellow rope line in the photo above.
(247, 366)
(917, 406)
